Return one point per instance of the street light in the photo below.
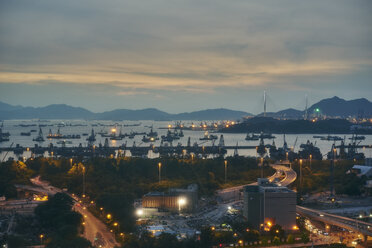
(109, 216)
(159, 165)
(225, 171)
(83, 181)
(181, 202)
(139, 212)
(262, 167)
(41, 238)
(300, 172)
(311, 156)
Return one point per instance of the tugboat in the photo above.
(40, 137)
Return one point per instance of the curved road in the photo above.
(234, 193)
(95, 230)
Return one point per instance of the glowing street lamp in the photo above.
(41, 236)
(225, 171)
(109, 216)
(159, 165)
(181, 202)
(300, 172)
(139, 212)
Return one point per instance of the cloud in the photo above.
(139, 48)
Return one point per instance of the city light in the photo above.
(109, 216)
(139, 212)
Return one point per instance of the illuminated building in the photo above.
(267, 204)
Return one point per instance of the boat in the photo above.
(152, 134)
(40, 137)
(92, 137)
(356, 137)
(208, 136)
(149, 139)
(267, 136)
(331, 138)
(252, 137)
(63, 142)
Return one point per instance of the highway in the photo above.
(362, 227)
(234, 193)
(95, 230)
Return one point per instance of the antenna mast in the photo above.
(306, 108)
(264, 103)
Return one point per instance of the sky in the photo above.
(184, 55)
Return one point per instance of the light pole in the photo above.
(181, 202)
(262, 159)
(159, 165)
(41, 239)
(301, 173)
(83, 181)
(311, 156)
(225, 171)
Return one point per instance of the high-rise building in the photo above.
(267, 204)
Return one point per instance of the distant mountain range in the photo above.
(331, 107)
(63, 111)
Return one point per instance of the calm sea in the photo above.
(82, 126)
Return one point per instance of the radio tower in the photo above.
(264, 103)
(305, 117)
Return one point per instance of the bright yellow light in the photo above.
(295, 227)
(41, 236)
(122, 234)
(101, 208)
(182, 201)
(269, 223)
(139, 212)
(113, 130)
(277, 231)
(83, 223)
(109, 216)
(83, 196)
(116, 224)
(169, 126)
(240, 241)
(159, 164)
(227, 126)
(213, 228)
(91, 202)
